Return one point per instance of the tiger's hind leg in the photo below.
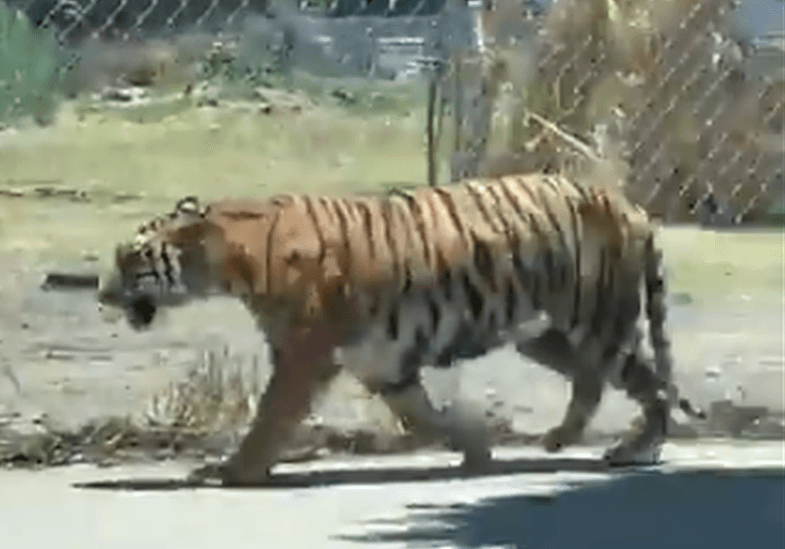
(553, 350)
(462, 426)
(302, 367)
(643, 443)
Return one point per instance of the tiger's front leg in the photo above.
(586, 395)
(302, 367)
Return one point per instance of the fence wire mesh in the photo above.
(658, 92)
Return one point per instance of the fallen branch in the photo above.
(70, 281)
(576, 143)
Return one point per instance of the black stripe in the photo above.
(538, 230)
(549, 270)
(524, 185)
(447, 200)
(523, 274)
(309, 207)
(392, 322)
(446, 283)
(414, 210)
(269, 259)
(577, 283)
(435, 312)
(511, 302)
(535, 290)
(150, 256)
(325, 204)
(365, 213)
(419, 224)
(344, 224)
(167, 265)
(480, 206)
(554, 220)
(475, 297)
(483, 260)
(400, 213)
(386, 211)
(600, 302)
(497, 199)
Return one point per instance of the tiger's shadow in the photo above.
(376, 475)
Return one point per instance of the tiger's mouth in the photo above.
(138, 308)
(140, 311)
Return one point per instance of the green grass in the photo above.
(207, 152)
(742, 268)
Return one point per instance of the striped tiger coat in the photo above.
(384, 284)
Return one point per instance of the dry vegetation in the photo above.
(203, 416)
(654, 89)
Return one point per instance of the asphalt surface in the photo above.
(707, 494)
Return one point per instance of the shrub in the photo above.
(29, 69)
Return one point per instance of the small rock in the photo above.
(207, 102)
(346, 97)
(124, 95)
(682, 298)
(260, 95)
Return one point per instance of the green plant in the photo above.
(29, 69)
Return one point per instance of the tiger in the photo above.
(381, 284)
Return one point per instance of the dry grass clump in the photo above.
(214, 396)
(205, 415)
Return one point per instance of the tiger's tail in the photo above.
(656, 313)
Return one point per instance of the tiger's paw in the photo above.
(469, 434)
(211, 472)
(624, 454)
(558, 438)
(477, 461)
(228, 476)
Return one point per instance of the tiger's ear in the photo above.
(122, 253)
(189, 222)
(189, 206)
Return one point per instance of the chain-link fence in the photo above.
(659, 93)
(76, 20)
(663, 95)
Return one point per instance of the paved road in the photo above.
(711, 494)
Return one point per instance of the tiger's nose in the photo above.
(109, 299)
(109, 291)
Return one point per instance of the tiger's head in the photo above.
(166, 264)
